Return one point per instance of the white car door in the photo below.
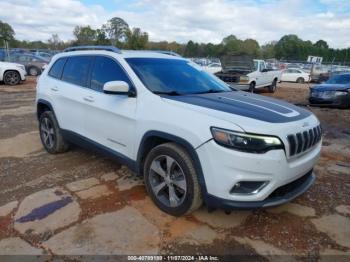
(110, 118)
(296, 74)
(69, 93)
(286, 75)
(264, 75)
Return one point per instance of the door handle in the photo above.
(55, 89)
(89, 99)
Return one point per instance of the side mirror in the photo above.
(265, 70)
(116, 87)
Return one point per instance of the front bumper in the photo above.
(223, 168)
(23, 74)
(280, 196)
(333, 101)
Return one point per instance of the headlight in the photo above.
(340, 93)
(246, 142)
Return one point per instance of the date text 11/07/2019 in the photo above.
(173, 258)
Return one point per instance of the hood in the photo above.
(9, 64)
(330, 87)
(237, 63)
(245, 104)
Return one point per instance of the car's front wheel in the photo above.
(171, 179)
(273, 86)
(252, 87)
(50, 134)
(12, 78)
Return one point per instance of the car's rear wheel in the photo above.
(171, 180)
(252, 87)
(50, 134)
(300, 80)
(12, 78)
(33, 71)
(273, 86)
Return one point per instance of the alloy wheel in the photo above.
(12, 78)
(47, 133)
(168, 181)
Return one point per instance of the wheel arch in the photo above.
(252, 82)
(154, 138)
(15, 70)
(42, 106)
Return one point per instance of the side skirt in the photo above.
(86, 143)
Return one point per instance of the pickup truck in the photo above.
(245, 73)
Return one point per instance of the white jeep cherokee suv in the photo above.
(12, 73)
(193, 138)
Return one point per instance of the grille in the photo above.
(302, 141)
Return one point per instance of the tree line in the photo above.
(118, 33)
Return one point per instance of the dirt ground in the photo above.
(82, 203)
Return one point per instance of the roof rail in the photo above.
(166, 52)
(93, 47)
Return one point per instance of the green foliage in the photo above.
(116, 29)
(101, 38)
(136, 39)
(268, 50)
(117, 32)
(6, 32)
(84, 35)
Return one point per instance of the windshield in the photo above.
(339, 79)
(174, 76)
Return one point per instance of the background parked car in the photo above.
(33, 64)
(11, 73)
(334, 92)
(295, 75)
(213, 68)
(42, 54)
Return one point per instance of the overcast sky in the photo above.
(182, 20)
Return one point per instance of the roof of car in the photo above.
(122, 53)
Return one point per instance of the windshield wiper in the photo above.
(213, 91)
(169, 93)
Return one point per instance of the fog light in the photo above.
(248, 187)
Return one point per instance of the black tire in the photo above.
(191, 197)
(252, 87)
(49, 131)
(273, 86)
(12, 78)
(34, 71)
(300, 80)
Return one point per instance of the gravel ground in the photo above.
(81, 203)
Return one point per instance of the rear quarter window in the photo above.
(57, 68)
(76, 70)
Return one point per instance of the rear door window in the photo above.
(57, 68)
(106, 69)
(76, 70)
